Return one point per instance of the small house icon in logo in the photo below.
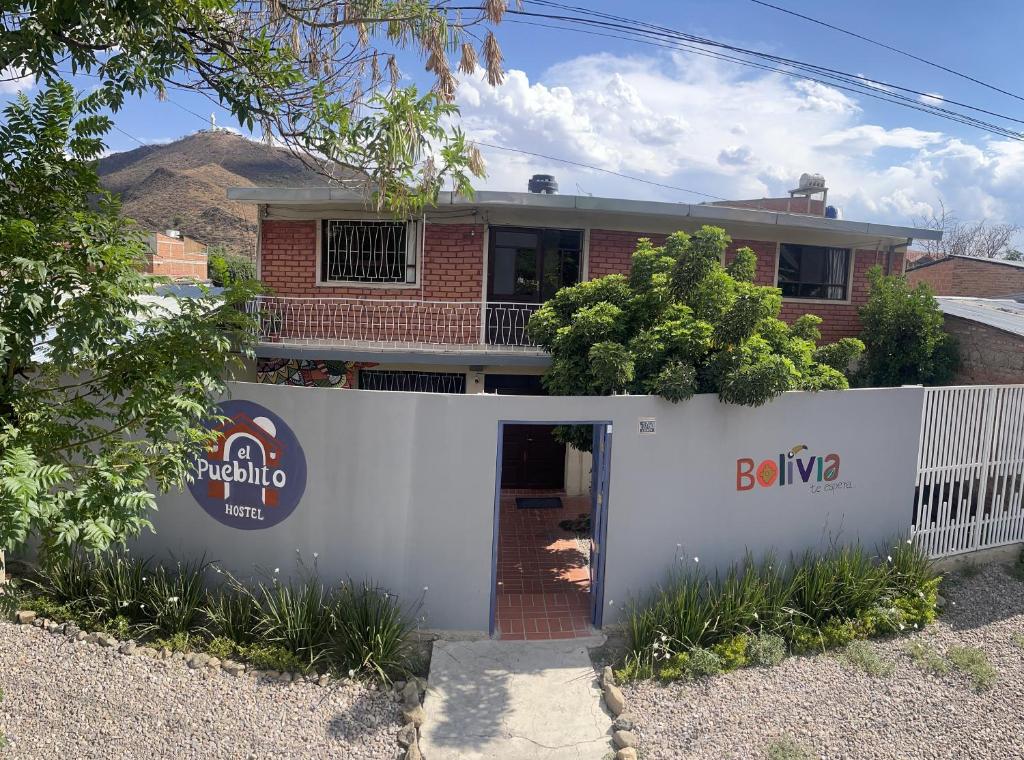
(262, 432)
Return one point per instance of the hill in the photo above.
(184, 184)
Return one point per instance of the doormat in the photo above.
(538, 502)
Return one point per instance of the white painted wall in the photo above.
(401, 487)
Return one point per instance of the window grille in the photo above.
(420, 382)
(367, 251)
(811, 271)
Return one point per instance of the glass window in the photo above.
(811, 271)
(360, 251)
(530, 265)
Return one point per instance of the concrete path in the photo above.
(510, 700)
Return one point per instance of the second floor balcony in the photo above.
(393, 323)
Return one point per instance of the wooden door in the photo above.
(532, 458)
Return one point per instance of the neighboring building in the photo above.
(440, 302)
(990, 332)
(969, 276)
(173, 255)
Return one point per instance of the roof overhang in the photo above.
(666, 213)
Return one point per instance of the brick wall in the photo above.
(452, 264)
(181, 258)
(959, 276)
(987, 355)
(610, 251)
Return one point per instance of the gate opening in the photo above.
(550, 518)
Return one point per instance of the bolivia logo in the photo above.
(254, 474)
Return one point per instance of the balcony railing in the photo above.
(392, 323)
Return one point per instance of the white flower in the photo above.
(277, 569)
(889, 558)
(696, 559)
(679, 546)
(612, 601)
(124, 604)
(351, 673)
(426, 588)
(664, 637)
(910, 540)
(172, 599)
(316, 555)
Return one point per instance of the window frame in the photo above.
(413, 253)
(491, 232)
(850, 268)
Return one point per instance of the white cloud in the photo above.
(13, 80)
(704, 125)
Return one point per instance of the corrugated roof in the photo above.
(1002, 313)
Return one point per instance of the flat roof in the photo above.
(982, 259)
(1004, 314)
(495, 199)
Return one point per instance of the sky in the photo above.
(723, 130)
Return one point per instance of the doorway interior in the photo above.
(548, 548)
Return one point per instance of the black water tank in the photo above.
(543, 183)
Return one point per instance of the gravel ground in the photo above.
(78, 700)
(834, 710)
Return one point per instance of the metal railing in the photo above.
(391, 322)
(970, 472)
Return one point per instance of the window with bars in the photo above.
(420, 382)
(812, 271)
(367, 251)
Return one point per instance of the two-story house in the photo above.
(440, 302)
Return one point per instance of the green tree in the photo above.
(320, 76)
(681, 324)
(103, 385)
(903, 335)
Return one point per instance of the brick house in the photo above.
(440, 302)
(990, 332)
(176, 256)
(969, 276)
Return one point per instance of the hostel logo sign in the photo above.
(254, 474)
(794, 467)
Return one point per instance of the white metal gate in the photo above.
(970, 469)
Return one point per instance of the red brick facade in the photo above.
(453, 269)
(964, 276)
(452, 264)
(180, 258)
(987, 355)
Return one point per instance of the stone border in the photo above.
(408, 693)
(624, 741)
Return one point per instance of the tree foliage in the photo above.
(681, 324)
(103, 385)
(226, 268)
(903, 335)
(319, 76)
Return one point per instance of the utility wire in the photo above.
(933, 64)
(646, 33)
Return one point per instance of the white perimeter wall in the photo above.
(400, 487)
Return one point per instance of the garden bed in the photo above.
(952, 689)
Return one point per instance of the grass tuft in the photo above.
(787, 748)
(973, 662)
(863, 656)
(926, 658)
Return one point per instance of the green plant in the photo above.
(703, 663)
(1016, 570)
(766, 650)
(903, 336)
(787, 748)
(681, 324)
(269, 657)
(927, 658)
(226, 267)
(234, 613)
(222, 647)
(1018, 640)
(973, 662)
(174, 600)
(733, 651)
(371, 631)
(120, 587)
(298, 617)
(863, 656)
(65, 578)
(179, 642)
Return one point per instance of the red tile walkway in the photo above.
(543, 577)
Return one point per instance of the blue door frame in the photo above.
(600, 477)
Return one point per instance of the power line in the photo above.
(839, 29)
(598, 169)
(651, 34)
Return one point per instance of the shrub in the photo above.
(234, 613)
(703, 663)
(226, 268)
(297, 617)
(755, 610)
(120, 588)
(66, 579)
(766, 650)
(973, 663)
(903, 336)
